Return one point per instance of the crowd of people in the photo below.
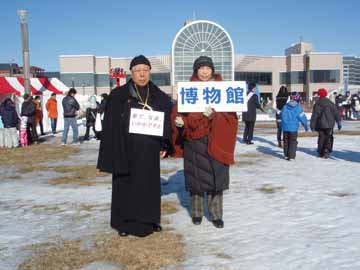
(348, 105)
(20, 128)
(205, 140)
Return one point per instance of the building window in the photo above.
(78, 79)
(293, 77)
(160, 79)
(261, 78)
(102, 80)
(325, 76)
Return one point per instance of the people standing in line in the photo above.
(90, 116)
(323, 118)
(208, 152)
(134, 159)
(28, 109)
(51, 107)
(281, 99)
(10, 121)
(291, 115)
(39, 114)
(249, 117)
(70, 108)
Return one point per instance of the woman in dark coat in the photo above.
(208, 151)
(134, 159)
(249, 117)
(281, 100)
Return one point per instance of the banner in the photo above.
(221, 96)
(146, 122)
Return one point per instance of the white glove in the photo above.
(179, 122)
(208, 111)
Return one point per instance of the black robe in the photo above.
(133, 160)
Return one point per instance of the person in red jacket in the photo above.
(208, 149)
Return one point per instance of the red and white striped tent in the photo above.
(15, 85)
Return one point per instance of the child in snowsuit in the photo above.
(291, 115)
(23, 133)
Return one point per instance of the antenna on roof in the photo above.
(301, 38)
(194, 17)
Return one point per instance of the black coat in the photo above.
(91, 116)
(28, 109)
(324, 114)
(70, 106)
(252, 105)
(8, 114)
(134, 160)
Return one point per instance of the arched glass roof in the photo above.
(202, 38)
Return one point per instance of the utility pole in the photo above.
(25, 49)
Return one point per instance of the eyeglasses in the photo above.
(140, 70)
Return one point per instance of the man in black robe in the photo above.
(134, 159)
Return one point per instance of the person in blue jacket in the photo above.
(291, 115)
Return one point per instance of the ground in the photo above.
(278, 214)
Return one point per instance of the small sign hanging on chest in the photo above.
(146, 122)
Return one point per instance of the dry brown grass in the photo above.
(156, 251)
(82, 175)
(341, 194)
(265, 125)
(270, 189)
(35, 154)
(167, 170)
(169, 207)
(337, 132)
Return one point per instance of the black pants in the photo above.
(325, 141)
(87, 133)
(31, 132)
(249, 131)
(290, 144)
(41, 127)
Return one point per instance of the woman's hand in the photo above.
(179, 122)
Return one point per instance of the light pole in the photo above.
(25, 48)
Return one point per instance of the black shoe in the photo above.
(326, 155)
(218, 223)
(157, 227)
(249, 142)
(197, 220)
(123, 234)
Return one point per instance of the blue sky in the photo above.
(127, 28)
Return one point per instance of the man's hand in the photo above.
(179, 122)
(162, 154)
(208, 112)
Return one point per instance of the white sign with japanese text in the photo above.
(146, 122)
(221, 96)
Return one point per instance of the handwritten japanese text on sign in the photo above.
(146, 122)
(222, 96)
